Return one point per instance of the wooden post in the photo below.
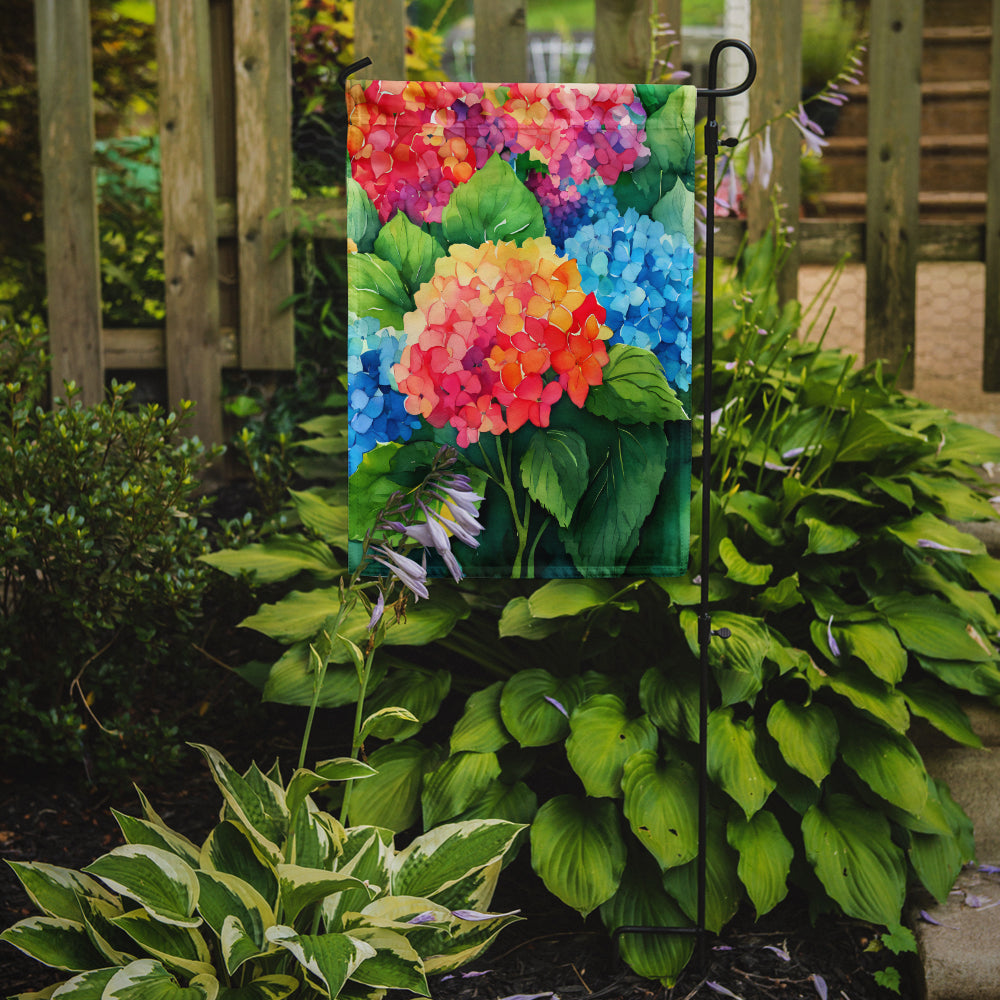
(665, 15)
(622, 40)
(893, 183)
(501, 41)
(380, 34)
(776, 34)
(190, 253)
(261, 56)
(72, 255)
(991, 333)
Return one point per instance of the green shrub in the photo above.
(279, 900)
(99, 542)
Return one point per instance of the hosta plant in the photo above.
(280, 900)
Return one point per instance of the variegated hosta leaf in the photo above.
(56, 891)
(55, 941)
(661, 799)
(275, 987)
(732, 760)
(300, 887)
(807, 736)
(315, 839)
(225, 897)
(642, 902)
(230, 849)
(367, 853)
(851, 849)
(328, 959)
(475, 891)
(256, 801)
(86, 986)
(456, 784)
(602, 737)
(578, 851)
(765, 858)
(177, 947)
(468, 939)
(149, 980)
(158, 880)
(441, 857)
(395, 964)
(141, 831)
(304, 782)
(116, 946)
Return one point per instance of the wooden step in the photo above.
(957, 206)
(947, 162)
(946, 105)
(956, 53)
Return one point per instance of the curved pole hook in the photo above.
(713, 90)
(348, 70)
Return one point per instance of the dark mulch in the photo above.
(551, 952)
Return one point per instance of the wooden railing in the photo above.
(226, 160)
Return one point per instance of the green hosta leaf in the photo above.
(391, 798)
(738, 661)
(410, 250)
(455, 785)
(928, 528)
(395, 964)
(225, 897)
(888, 763)
(440, 858)
(732, 760)
(765, 858)
(301, 887)
(661, 798)
(517, 620)
(623, 490)
(671, 700)
(298, 615)
(783, 595)
(362, 217)
(601, 739)
(937, 858)
(578, 851)
(828, 539)
(974, 604)
(641, 901)
(738, 569)
(986, 572)
(723, 889)
(56, 891)
(956, 500)
(932, 628)
(865, 692)
(292, 679)
(760, 512)
(807, 736)
(481, 728)
(328, 520)
(941, 709)
(147, 979)
(527, 709)
(181, 948)
(377, 289)
(965, 443)
(559, 598)
(330, 959)
(492, 205)
(418, 690)
(555, 471)
(870, 435)
(54, 941)
(141, 831)
(274, 987)
(876, 646)
(230, 849)
(634, 389)
(515, 803)
(976, 678)
(279, 558)
(262, 812)
(850, 847)
(163, 884)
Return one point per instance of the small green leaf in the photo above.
(555, 471)
(807, 736)
(738, 569)
(362, 218)
(410, 250)
(633, 389)
(377, 289)
(828, 539)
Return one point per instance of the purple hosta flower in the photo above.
(812, 134)
(567, 205)
(927, 543)
(820, 984)
(377, 612)
(782, 953)
(760, 164)
(375, 410)
(831, 642)
(475, 915)
(460, 501)
(719, 988)
(427, 917)
(643, 278)
(557, 704)
(411, 574)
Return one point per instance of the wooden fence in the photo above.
(226, 160)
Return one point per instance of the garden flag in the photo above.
(520, 275)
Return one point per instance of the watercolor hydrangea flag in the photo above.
(520, 279)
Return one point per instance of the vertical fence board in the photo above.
(72, 257)
(190, 254)
(501, 41)
(261, 42)
(893, 183)
(776, 34)
(991, 333)
(621, 40)
(380, 34)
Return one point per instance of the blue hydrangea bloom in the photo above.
(643, 277)
(375, 411)
(564, 217)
